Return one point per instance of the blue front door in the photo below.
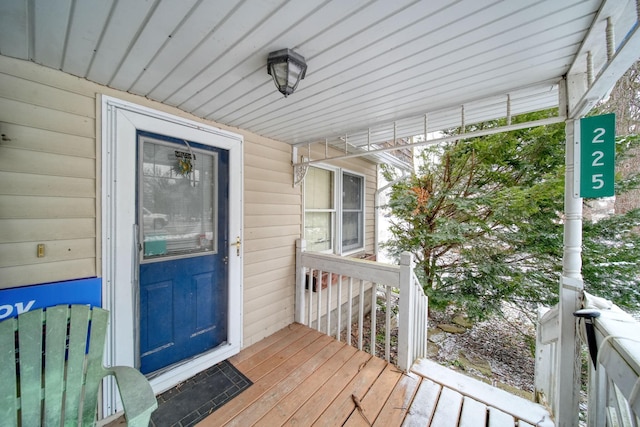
(183, 256)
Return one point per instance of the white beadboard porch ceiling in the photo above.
(370, 63)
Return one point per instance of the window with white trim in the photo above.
(333, 220)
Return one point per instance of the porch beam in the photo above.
(468, 135)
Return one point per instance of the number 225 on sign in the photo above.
(597, 156)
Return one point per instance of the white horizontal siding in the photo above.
(271, 183)
(272, 232)
(262, 209)
(270, 255)
(49, 272)
(39, 230)
(47, 179)
(40, 207)
(262, 322)
(266, 299)
(24, 253)
(259, 221)
(26, 161)
(29, 184)
(26, 114)
(268, 199)
(269, 243)
(272, 224)
(46, 96)
(273, 177)
(29, 138)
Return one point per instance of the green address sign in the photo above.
(597, 156)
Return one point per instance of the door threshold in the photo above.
(162, 371)
(166, 378)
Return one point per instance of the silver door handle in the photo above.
(238, 244)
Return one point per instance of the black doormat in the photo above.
(196, 398)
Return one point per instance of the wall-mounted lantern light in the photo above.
(287, 69)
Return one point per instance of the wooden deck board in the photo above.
(272, 397)
(397, 405)
(375, 398)
(344, 405)
(308, 413)
(520, 408)
(474, 413)
(294, 400)
(497, 418)
(297, 377)
(448, 410)
(246, 366)
(239, 405)
(260, 346)
(303, 377)
(284, 354)
(423, 405)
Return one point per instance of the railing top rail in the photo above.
(619, 327)
(371, 271)
(618, 339)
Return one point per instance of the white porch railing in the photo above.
(546, 363)
(332, 287)
(614, 387)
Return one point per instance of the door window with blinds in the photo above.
(178, 211)
(334, 210)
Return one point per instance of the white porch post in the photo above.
(406, 325)
(565, 405)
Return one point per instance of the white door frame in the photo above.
(120, 121)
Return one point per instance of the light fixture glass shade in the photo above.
(287, 69)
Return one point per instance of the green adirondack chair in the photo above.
(51, 369)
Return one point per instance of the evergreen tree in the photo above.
(483, 218)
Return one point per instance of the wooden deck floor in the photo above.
(303, 378)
